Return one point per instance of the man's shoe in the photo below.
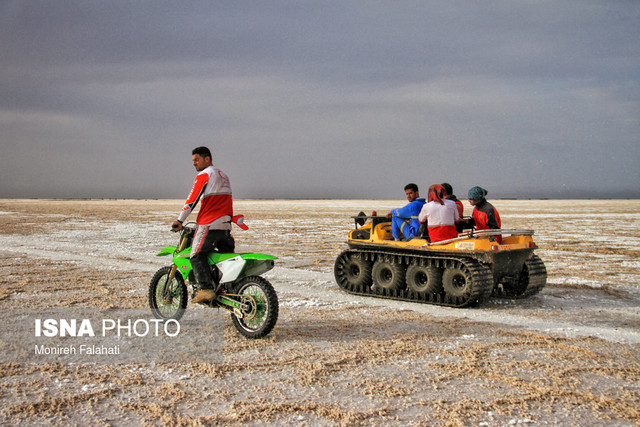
(204, 295)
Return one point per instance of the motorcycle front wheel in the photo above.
(167, 300)
(261, 316)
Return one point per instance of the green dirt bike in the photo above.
(251, 299)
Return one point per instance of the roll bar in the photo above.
(471, 234)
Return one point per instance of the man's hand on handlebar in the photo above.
(176, 226)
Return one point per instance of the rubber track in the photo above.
(481, 275)
(537, 276)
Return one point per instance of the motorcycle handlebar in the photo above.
(188, 227)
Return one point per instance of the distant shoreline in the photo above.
(61, 199)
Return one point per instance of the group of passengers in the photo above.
(441, 214)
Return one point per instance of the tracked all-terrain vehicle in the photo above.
(458, 272)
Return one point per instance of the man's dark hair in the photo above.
(447, 188)
(411, 186)
(203, 151)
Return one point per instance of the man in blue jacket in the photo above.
(404, 221)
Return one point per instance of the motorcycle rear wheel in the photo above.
(262, 298)
(172, 306)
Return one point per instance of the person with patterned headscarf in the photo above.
(440, 215)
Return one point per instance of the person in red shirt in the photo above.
(213, 190)
(448, 194)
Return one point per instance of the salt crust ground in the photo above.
(566, 356)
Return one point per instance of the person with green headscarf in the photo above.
(485, 216)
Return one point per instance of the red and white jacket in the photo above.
(441, 219)
(213, 189)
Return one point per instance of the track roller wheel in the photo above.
(424, 280)
(352, 272)
(457, 282)
(388, 274)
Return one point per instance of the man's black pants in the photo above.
(204, 242)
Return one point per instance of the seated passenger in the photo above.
(440, 214)
(485, 216)
(404, 221)
(448, 194)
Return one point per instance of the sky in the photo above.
(320, 99)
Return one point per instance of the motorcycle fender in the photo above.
(167, 251)
(258, 257)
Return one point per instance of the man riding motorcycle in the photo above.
(213, 189)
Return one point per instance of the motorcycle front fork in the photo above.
(165, 292)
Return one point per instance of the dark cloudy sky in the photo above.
(345, 99)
